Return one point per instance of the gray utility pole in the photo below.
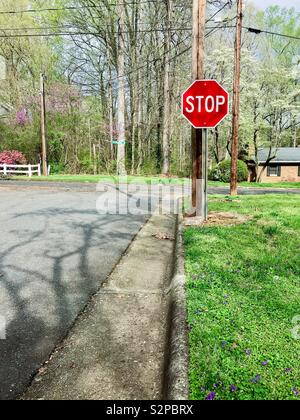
(199, 136)
(43, 127)
(236, 101)
(121, 91)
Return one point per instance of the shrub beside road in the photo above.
(243, 297)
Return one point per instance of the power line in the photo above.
(47, 28)
(50, 9)
(260, 31)
(59, 27)
(220, 27)
(219, 11)
(88, 33)
(84, 7)
(45, 35)
(250, 29)
(57, 9)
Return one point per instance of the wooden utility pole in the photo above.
(121, 91)
(198, 135)
(43, 127)
(236, 101)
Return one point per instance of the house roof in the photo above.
(283, 155)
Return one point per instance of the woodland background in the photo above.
(115, 71)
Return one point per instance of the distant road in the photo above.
(77, 186)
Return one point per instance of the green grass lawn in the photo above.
(243, 293)
(260, 185)
(104, 178)
(146, 180)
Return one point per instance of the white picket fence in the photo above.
(20, 169)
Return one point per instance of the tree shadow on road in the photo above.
(55, 261)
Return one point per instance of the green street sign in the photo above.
(119, 142)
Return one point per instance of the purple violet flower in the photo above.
(256, 379)
(233, 388)
(265, 363)
(296, 392)
(248, 352)
(211, 396)
(288, 370)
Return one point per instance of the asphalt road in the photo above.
(74, 186)
(55, 251)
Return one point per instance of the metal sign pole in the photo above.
(206, 174)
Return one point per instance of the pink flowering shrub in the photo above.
(12, 157)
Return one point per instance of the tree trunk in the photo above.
(139, 122)
(135, 83)
(121, 92)
(167, 96)
(110, 106)
(255, 141)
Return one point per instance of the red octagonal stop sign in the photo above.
(205, 104)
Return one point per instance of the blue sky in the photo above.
(284, 3)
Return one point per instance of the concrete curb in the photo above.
(177, 385)
(118, 347)
(131, 341)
